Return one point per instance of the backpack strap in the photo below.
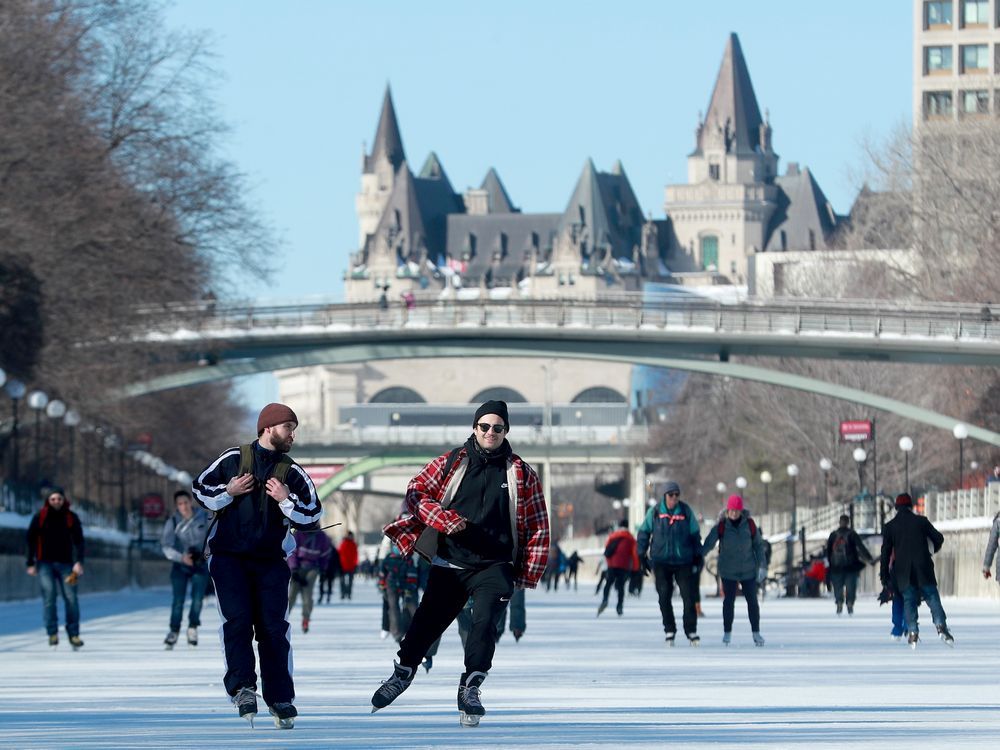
(451, 461)
(753, 528)
(246, 460)
(281, 468)
(722, 529)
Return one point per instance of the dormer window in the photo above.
(713, 172)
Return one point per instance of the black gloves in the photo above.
(885, 596)
(644, 565)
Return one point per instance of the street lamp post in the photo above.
(55, 410)
(71, 420)
(906, 445)
(37, 400)
(721, 489)
(15, 389)
(765, 479)
(825, 464)
(793, 472)
(741, 484)
(961, 432)
(860, 455)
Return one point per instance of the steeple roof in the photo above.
(733, 107)
(388, 142)
(604, 207)
(432, 169)
(802, 209)
(499, 201)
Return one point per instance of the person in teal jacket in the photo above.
(669, 544)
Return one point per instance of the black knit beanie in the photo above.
(492, 407)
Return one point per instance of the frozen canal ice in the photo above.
(574, 680)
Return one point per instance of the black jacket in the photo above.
(255, 525)
(906, 539)
(854, 548)
(55, 536)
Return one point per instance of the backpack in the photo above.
(246, 467)
(840, 552)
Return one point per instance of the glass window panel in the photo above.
(939, 13)
(975, 12)
(975, 57)
(975, 102)
(938, 58)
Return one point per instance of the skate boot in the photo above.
(603, 606)
(758, 639)
(428, 663)
(517, 632)
(840, 608)
(170, 640)
(192, 634)
(913, 639)
(945, 635)
(850, 609)
(284, 715)
(726, 638)
(75, 642)
(470, 709)
(246, 701)
(305, 624)
(54, 640)
(670, 639)
(620, 610)
(693, 639)
(393, 687)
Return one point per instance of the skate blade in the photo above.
(468, 720)
(288, 723)
(670, 644)
(375, 708)
(250, 718)
(695, 644)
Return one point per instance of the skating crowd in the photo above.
(472, 536)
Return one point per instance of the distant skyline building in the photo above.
(956, 60)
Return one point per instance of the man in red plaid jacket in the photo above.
(478, 514)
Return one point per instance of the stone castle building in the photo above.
(416, 233)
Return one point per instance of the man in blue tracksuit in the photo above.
(257, 494)
(669, 544)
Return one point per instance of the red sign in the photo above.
(857, 431)
(152, 506)
(319, 473)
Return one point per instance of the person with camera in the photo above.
(183, 543)
(55, 555)
(258, 495)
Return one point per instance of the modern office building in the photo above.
(956, 60)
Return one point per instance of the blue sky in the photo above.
(533, 89)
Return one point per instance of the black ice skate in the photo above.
(75, 642)
(913, 639)
(54, 640)
(945, 635)
(246, 701)
(670, 639)
(393, 687)
(284, 715)
(170, 640)
(470, 708)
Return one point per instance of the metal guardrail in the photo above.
(414, 435)
(978, 502)
(962, 322)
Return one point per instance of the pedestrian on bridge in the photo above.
(258, 495)
(478, 514)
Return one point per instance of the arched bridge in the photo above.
(666, 331)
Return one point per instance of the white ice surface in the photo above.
(574, 680)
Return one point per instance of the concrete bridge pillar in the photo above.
(637, 494)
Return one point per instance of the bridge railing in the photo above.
(793, 317)
(413, 435)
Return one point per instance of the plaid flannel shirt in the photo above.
(422, 508)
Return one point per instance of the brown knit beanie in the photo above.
(273, 414)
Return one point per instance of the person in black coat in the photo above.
(906, 540)
(847, 556)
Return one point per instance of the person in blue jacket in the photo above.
(669, 544)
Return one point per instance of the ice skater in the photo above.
(741, 564)
(183, 543)
(478, 513)
(258, 495)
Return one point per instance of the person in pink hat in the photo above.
(741, 564)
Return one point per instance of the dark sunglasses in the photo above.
(673, 494)
(497, 428)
